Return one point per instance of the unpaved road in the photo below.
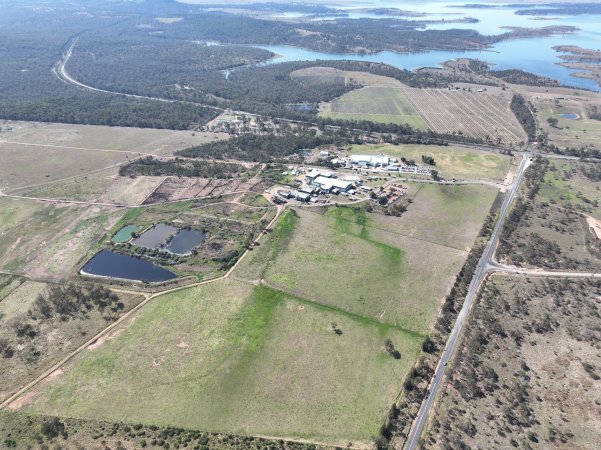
(148, 297)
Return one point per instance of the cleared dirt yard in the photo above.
(476, 114)
(229, 356)
(176, 188)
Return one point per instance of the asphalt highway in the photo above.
(484, 265)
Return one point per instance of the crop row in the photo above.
(479, 115)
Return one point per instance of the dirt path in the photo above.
(13, 400)
(594, 226)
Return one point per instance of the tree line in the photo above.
(150, 166)
(523, 112)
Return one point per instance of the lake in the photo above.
(115, 265)
(533, 55)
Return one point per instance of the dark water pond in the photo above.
(115, 265)
(155, 236)
(185, 241)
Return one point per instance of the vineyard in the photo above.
(475, 114)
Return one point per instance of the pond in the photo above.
(155, 236)
(185, 241)
(115, 265)
(300, 107)
(570, 116)
(124, 234)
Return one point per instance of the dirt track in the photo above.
(14, 400)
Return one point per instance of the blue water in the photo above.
(185, 241)
(115, 265)
(571, 116)
(532, 55)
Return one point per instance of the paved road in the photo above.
(61, 72)
(483, 267)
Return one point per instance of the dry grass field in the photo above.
(47, 240)
(380, 99)
(134, 140)
(477, 114)
(376, 104)
(71, 155)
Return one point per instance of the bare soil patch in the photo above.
(177, 188)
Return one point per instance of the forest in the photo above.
(524, 114)
(269, 147)
(150, 166)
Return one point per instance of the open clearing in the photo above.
(446, 215)
(528, 373)
(53, 152)
(229, 356)
(451, 162)
(27, 165)
(135, 140)
(358, 262)
(43, 239)
(377, 104)
(579, 132)
(49, 339)
(381, 99)
(477, 114)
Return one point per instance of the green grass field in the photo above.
(378, 104)
(229, 356)
(346, 259)
(451, 162)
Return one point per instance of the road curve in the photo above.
(60, 71)
(481, 270)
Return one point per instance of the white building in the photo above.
(371, 160)
(332, 183)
